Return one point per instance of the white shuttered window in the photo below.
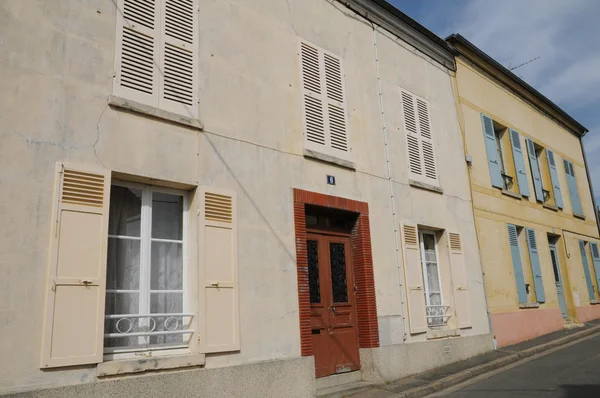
(323, 102)
(419, 140)
(156, 60)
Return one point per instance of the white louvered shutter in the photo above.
(179, 57)
(323, 102)
(413, 274)
(459, 281)
(219, 270)
(137, 51)
(76, 285)
(419, 139)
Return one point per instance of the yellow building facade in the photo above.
(534, 211)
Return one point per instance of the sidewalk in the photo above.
(441, 378)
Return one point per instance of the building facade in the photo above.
(532, 200)
(257, 195)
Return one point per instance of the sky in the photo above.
(564, 34)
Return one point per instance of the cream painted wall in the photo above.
(57, 63)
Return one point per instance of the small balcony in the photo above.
(437, 315)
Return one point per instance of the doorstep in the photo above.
(341, 385)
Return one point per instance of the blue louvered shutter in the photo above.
(513, 240)
(492, 151)
(586, 270)
(535, 170)
(535, 265)
(554, 178)
(572, 185)
(515, 142)
(596, 261)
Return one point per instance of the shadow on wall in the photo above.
(581, 391)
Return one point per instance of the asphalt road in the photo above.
(572, 372)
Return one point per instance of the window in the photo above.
(323, 103)
(156, 60)
(528, 278)
(436, 311)
(146, 269)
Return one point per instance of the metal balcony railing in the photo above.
(437, 315)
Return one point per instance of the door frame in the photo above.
(362, 266)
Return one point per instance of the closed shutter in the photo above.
(137, 51)
(535, 266)
(323, 102)
(413, 274)
(218, 252)
(554, 178)
(513, 240)
(573, 191)
(419, 140)
(179, 57)
(596, 261)
(515, 141)
(459, 281)
(586, 270)
(74, 320)
(491, 151)
(535, 170)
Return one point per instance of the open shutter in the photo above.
(535, 170)
(137, 51)
(324, 102)
(179, 57)
(74, 321)
(492, 151)
(413, 274)
(459, 281)
(429, 165)
(413, 139)
(513, 241)
(535, 266)
(515, 141)
(596, 261)
(218, 248)
(586, 271)
(554, 178)
(572, 185)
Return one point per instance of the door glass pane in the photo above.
(339, 286)
(555, 266)
(313, 271)
(167, 216)
(123, 264)
(125, 211)
(166, 266)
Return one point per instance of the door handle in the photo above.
(333, 309)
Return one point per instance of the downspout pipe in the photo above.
(589, 178)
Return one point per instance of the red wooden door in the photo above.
(332, 301)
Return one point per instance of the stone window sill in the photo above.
(144, 364)
(136, 107)
(433, 334)
(595, 302)
(553, 208)
(529, 305)
(423, 185)
(309, 153)
(511, 194)
(580, 216)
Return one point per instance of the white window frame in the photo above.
(424, 265)
(113, 353)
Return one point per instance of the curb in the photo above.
(457, 378)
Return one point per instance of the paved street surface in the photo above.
(572, 372)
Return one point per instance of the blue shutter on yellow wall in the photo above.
(515, 142)
(596, 261)
(492, 151)
(535, 266)
(535, 170)
(573, 191)
(513, 241)
(554, 178)
(586, 270)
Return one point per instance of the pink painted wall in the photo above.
(515, 327)
(588, 313)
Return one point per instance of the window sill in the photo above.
(511, 194)
(423, 185)
(529, 305)
(136, 107)
(580, 216)
(309, 153)
(442, 333)
(550, 207)
(144, 364)
(595, 302)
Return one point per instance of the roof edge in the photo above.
(385, 15)
(554, 111)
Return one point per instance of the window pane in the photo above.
(338, 272)
(123, 264)
(313, 271)
(167, 266)
(432, 277)
(429, 241)
(166, 303)
(167, 216)
(435, 299)
(125, 211)
(122, 303)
